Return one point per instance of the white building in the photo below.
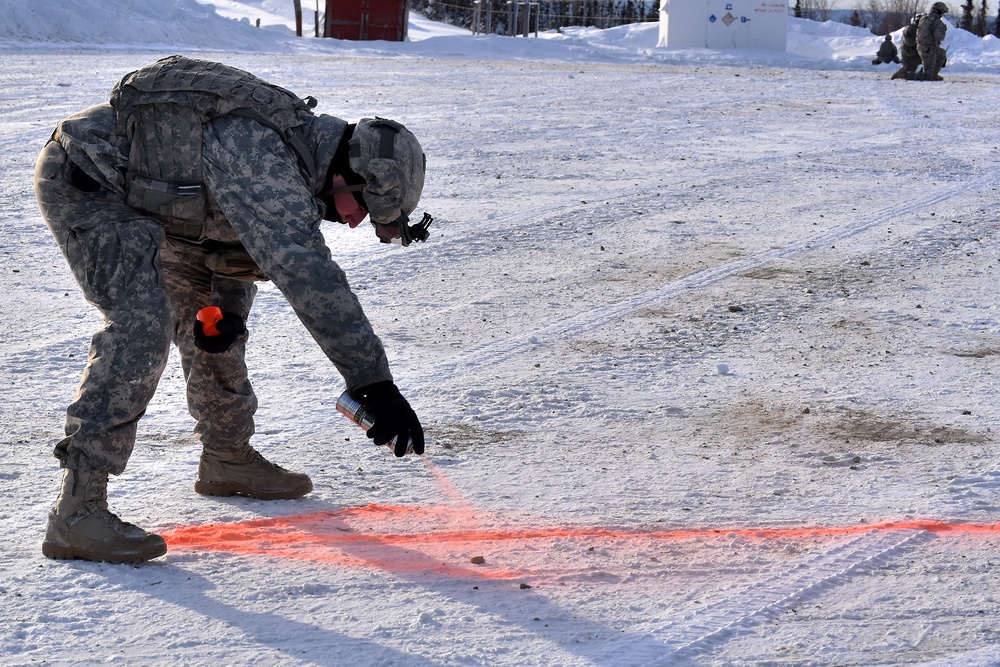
(724, 24)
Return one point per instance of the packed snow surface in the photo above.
(705, 344)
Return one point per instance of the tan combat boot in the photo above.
(243, 471)
(82, 526)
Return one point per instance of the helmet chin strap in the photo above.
(401, 232)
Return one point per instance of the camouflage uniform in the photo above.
(930, 33)
(908, 51)
(887, 52)
(148, 287)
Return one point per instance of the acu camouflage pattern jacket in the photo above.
(258, 197)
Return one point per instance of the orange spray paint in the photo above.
(410, 539)
(446, 485)
(439, 539)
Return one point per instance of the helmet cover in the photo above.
(391, 161)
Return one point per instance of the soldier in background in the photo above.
(908, 51)
(930, 33)
(196, 180)
(887, 52)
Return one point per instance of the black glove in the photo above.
(392, 416)
(218, 335)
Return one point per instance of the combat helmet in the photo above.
(940, 8)
(392, 163)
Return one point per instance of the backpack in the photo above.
(161, 110)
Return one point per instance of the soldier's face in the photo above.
(349, 210)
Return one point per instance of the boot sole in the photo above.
(62, 552)
(237, 489)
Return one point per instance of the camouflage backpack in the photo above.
(162, 109)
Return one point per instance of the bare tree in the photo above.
(885, 16)
(816, 10)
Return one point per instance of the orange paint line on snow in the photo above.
(306, 525)
(402, 538)
(397, 538)
(377, 536)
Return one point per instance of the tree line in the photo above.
(879, 16)
(546, 15)
(885, 16)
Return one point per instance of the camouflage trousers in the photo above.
(148, 289)
(910, 62)
(933, 59)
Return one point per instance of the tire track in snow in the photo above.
(490, 354)
(988, 656)
(718, 622)
(689, 179)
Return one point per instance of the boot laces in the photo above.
(109, 518)
(247, 455)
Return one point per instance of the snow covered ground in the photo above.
(705, 343)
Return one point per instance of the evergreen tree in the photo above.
(629, 12)
(966, 23)
(798, 9)
(551, 14)
(996, 26)
(979, 27)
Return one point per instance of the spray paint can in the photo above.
(357, 413)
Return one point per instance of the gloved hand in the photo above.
(392, 415)
(215, 330)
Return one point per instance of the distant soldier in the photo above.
(887, 52)
(930, 33)
(911, 59)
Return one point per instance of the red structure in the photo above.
(366, 19)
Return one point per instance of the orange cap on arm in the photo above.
(209, 316)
